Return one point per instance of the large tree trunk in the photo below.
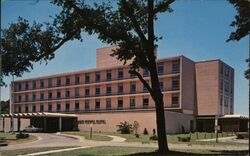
(159, 105)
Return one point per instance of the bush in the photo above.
(184, 139)
(154, 137)
(145, 132)
(125, 128)
(137, 135)
(22, 136)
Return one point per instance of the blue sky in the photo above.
(196, 29)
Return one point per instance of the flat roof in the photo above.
(38, 114)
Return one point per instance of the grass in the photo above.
(95, 136)
(11, 138)
(27, 151)
(139, 151)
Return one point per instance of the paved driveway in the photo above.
(46, 140)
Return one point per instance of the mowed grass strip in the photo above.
(95, 135)
(29, 151)
(132, 151)
(10, 138)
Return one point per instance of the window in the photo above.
(77, 92)
(221, 69)
(77, 79)
(145, 72)
(50, 95)
(86, 105)
(49, 107)
(50, 83)
(19, 98)
(226, 87)
(67, 107)
(67, 93)
(33, 108)
(221, 84)
(175, 100)
(227, 72)
(97, 77)
(58, 82)
(231, 88)
(41, 84)
(87, 91)
(120, 73)
(67, 81)
(132, 102)
(120, 103)
(58, 95)
(41, 96)
(86, 78)
(175, 66)
(26, 85)
(175, 84)
(26, 108)
(145, 102)
(160, 68)
(132, 75)
(77, 106)
(145, 88)
(34, 84)
(97, 90)
(161, 84)
(19, 86)
(108, 104)
(120, 88)
(108, 90)
(19, 109)
(109, 75)
(26, 98)
(97, 104)
(132, 87)
(34, 97)
(58, 107)
(41, 107)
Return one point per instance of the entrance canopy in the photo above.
(38, 114)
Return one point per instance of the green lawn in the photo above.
(11, 138)
(139, 151)
(95, 136)
(28, 151)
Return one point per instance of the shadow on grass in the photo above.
(211, 153)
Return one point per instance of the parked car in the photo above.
(32, 129)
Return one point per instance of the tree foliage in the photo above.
(242, 24)
(125, 128)
(5, 107)
(130, 25)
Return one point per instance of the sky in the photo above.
(197, 29)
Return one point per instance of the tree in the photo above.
(130, 26)
(242, 24)
(5, 107)
(125, 127)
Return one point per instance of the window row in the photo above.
(88, 79)
(109, 105)
(97, 92)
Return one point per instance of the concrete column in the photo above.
(44, 124)
(18, 124)
(3, 124)
(60, 124)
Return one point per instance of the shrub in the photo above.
(137, 135)
(22, 136)
(184, 139)
(154, 137)
(125, 128)
(145, 132)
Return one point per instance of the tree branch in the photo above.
(144, 82)
(137, 27)
(163, 6)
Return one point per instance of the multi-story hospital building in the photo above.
(195, 93)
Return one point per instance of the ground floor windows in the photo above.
(145, 101)
(175, 100)
(120, 103)
(132, 102)
(97, 105)
(108, 104)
